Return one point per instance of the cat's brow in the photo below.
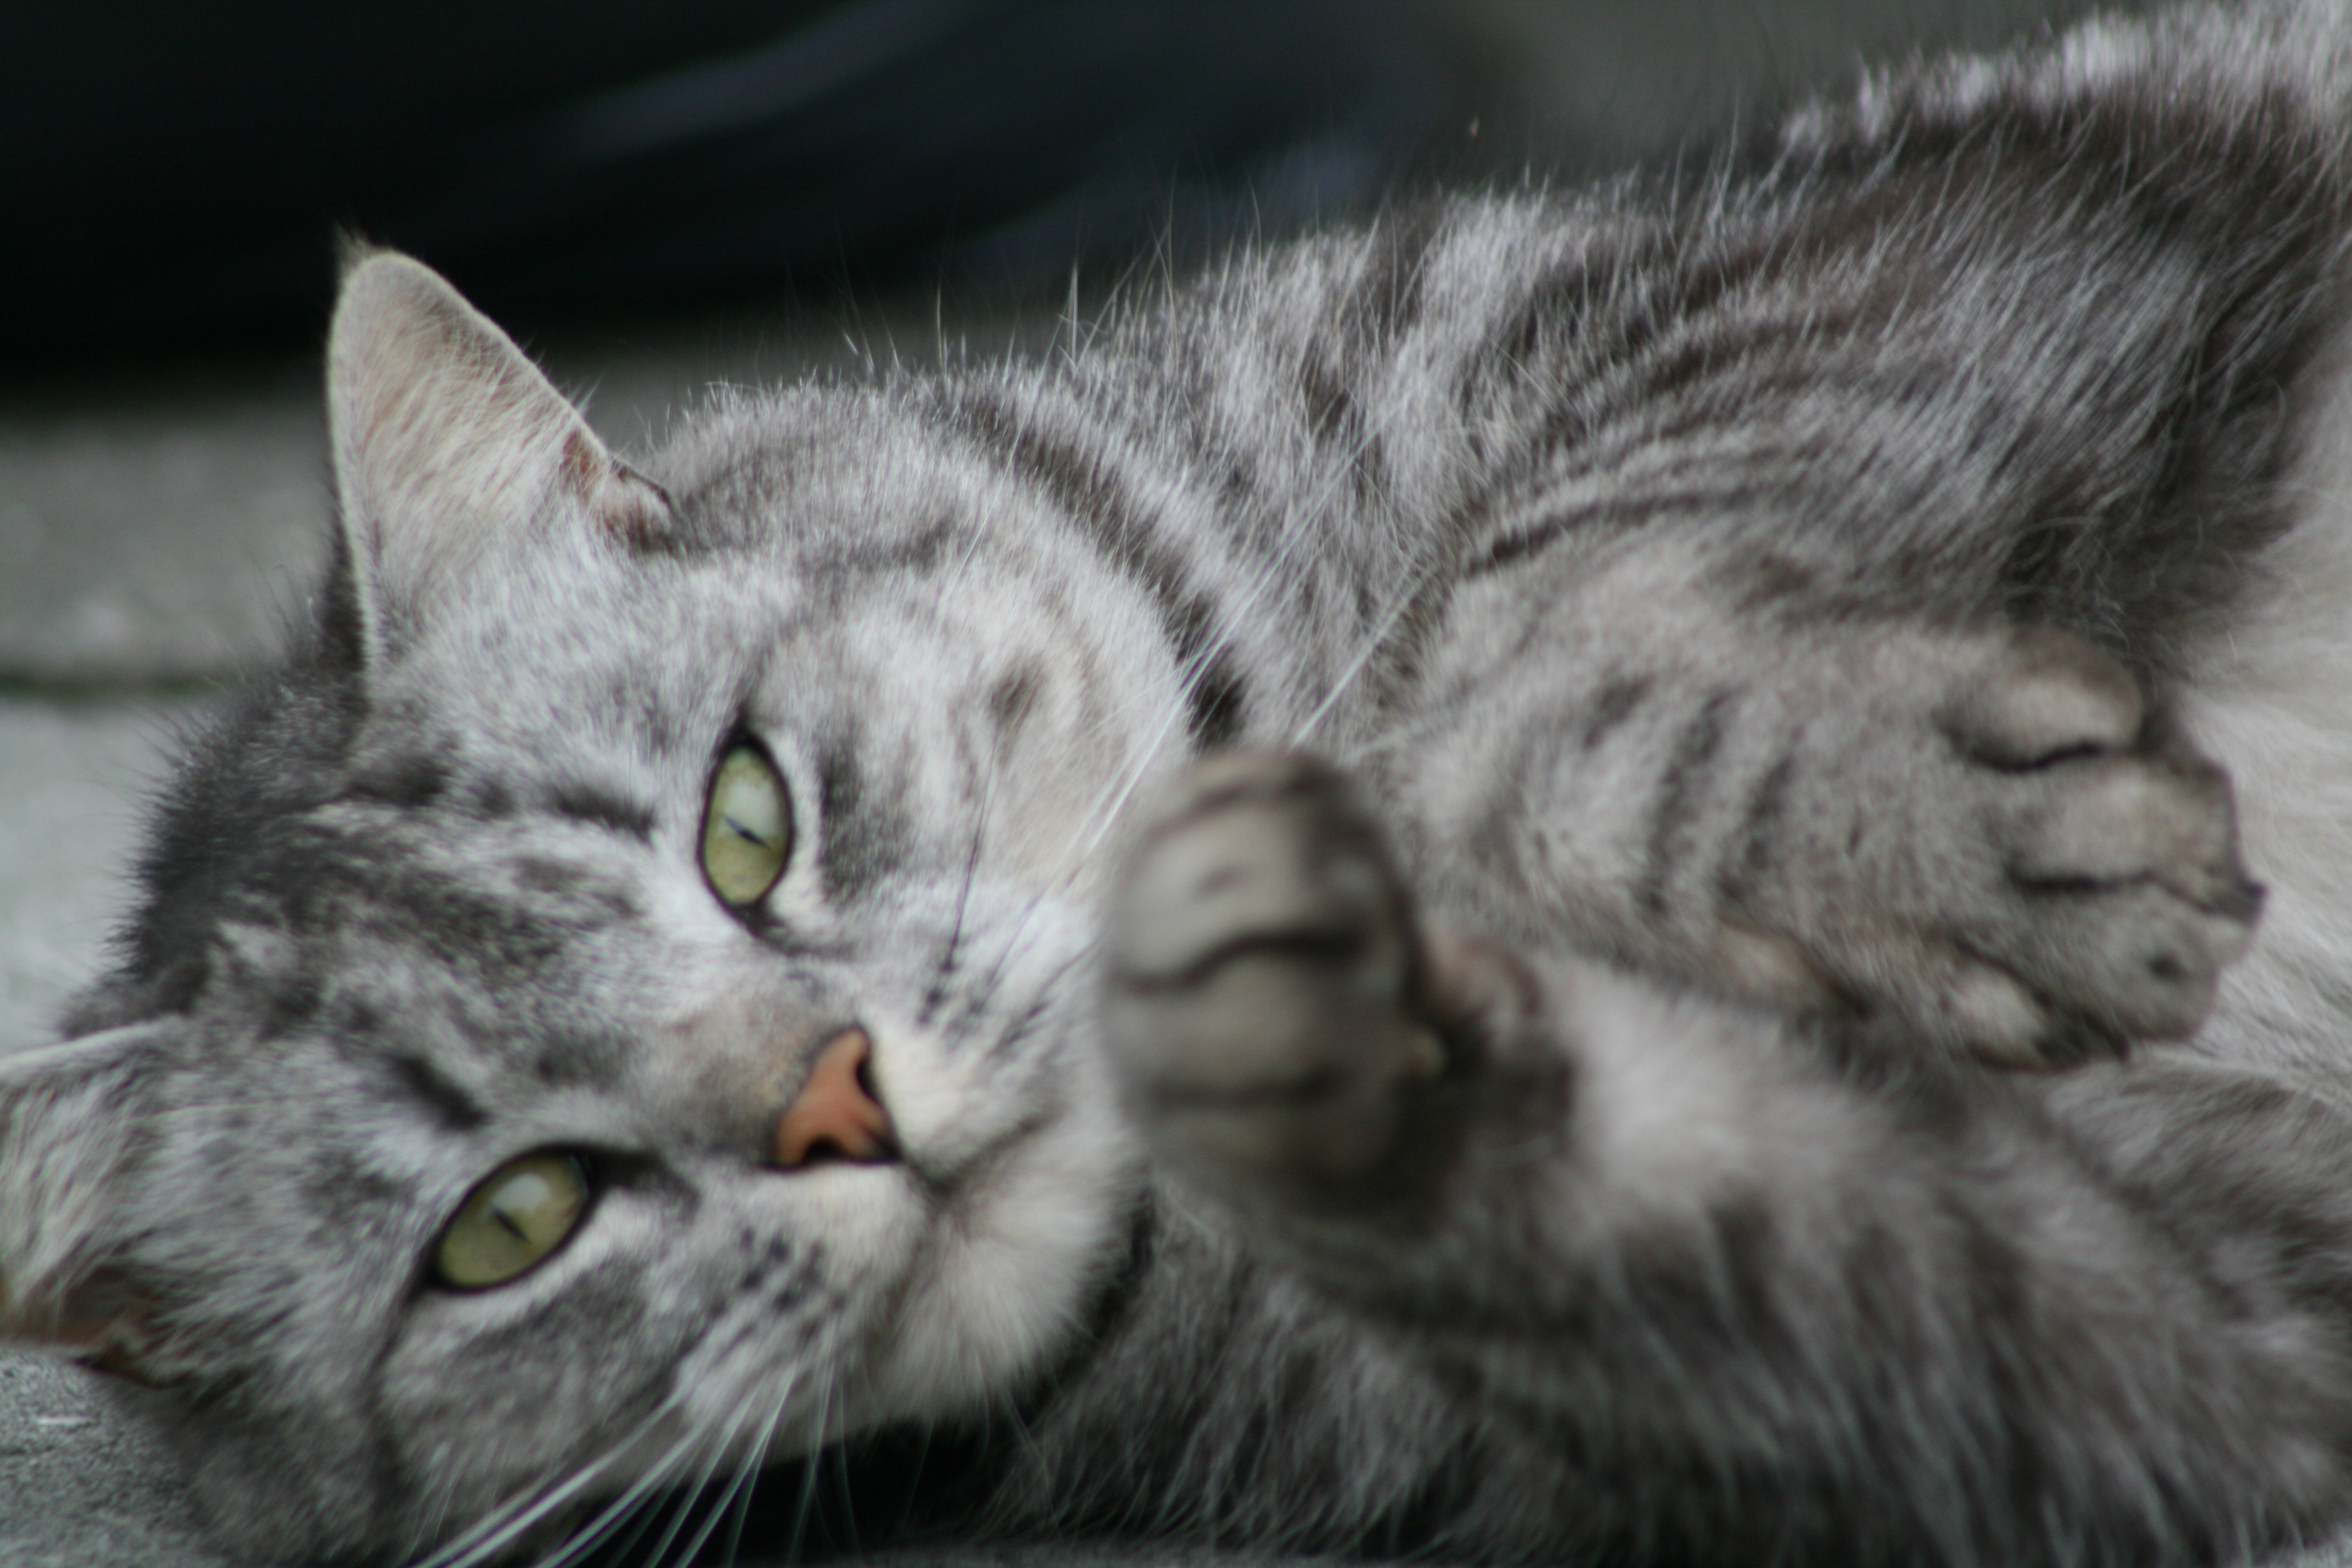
(602, 807)
(447, 1099)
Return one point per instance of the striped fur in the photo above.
(1566, 878)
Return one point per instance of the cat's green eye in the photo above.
(747, 832)
(512, 1221)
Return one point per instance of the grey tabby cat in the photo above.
(1549, 881)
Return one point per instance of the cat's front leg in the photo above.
(1284, 1027)
(1989, 837)
(1985, 836)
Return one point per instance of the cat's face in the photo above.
(452, 1187)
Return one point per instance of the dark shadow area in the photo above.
(178, 175)
(900, 1491)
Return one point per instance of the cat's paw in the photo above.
(2058, 876)
(1268, 1000)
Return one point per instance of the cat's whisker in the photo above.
(1025, 1023)
(960, 572)
(1297, 522)
(433, 1518)
(677, 1504)
(935, 994)
(498, 1529)
(1417, 578)
(630, 1503)
(721, 1439)
(753, 1466)
(1105, 813)
(974, 1003)
(809, 1472)
(839, 1454)
(979, 997)
(983, 994)
(1364, 655)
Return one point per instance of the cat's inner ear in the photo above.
(452, 449)
(68, 1117)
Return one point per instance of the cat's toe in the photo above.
(2047, 697)
(2127, 867)
(1262, 975)
(2121, 891)
(2053, 876)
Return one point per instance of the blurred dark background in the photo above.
(189, 164)
(176, 174)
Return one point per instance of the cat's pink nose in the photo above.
(834, 1117)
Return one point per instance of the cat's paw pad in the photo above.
(1262, 974)
(2106, 893)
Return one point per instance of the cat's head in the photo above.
(426, 1161)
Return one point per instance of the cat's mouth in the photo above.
(836, 1116)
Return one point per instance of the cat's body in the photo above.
(1775, 633)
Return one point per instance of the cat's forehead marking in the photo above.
(867, 830)
(448, 1101)
(603, 806)
(409, 775)
(396, 933)
(464, 1083)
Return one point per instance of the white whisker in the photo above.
(498, 1529)
(746, 1478)
(1363, 656)
(720, 1440)
(810, 1470)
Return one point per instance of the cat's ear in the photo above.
(451, 447)
(69, 1118)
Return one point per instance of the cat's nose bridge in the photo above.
(785, 1087)
(726, 1064)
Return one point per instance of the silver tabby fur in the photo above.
(1568, 878)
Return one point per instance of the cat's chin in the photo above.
(1031, 1218)
(981, 1295)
